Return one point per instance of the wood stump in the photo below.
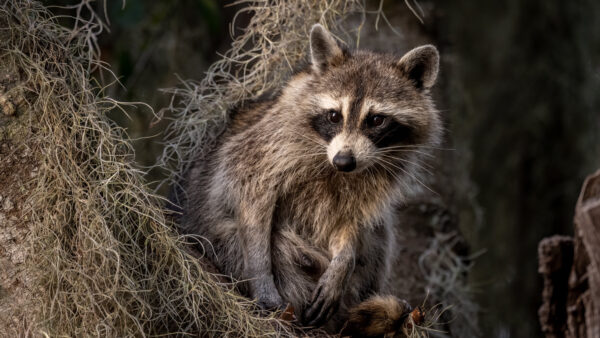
(571, 271)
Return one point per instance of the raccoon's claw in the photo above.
(322, 306)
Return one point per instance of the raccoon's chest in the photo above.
(315, 210)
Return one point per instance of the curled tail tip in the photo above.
(376, 316)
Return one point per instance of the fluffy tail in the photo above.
(376, 316)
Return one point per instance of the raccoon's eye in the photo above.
(334, 116)
(375, 120)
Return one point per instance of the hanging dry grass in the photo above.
(103, 260)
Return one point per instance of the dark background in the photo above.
(518, 88)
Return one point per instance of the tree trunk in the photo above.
(18, 165)
(571, 271)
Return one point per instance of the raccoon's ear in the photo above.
(421, 66)
(324, 50)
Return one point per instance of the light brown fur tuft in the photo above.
(377, 316)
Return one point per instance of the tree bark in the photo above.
(18, 165)
(571, 271)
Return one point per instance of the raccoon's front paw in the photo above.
(266, 294)
(324, 303)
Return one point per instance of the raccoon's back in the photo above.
(192, 182)
(245, 116)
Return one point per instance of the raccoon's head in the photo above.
(368, 108)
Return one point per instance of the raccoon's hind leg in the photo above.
(297, 267)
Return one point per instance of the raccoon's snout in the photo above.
(344, 161)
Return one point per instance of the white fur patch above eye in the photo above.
(328, 102)
(345, 107)
(390, 109)
(378, 107)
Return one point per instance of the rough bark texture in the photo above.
(18, 165)
(571, 271)
(556, 258)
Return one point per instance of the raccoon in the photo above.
(297, 197)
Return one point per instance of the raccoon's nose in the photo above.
(344, 161)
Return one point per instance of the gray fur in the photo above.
(278, 214)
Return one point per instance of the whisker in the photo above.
(384, 135)
(410, 175)
(307, 155)
(405, 150)
(387, 169)
(418, 165)
(323, 168)
(420, 161)
(422, 145)
(395, 155)
(384, 165)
